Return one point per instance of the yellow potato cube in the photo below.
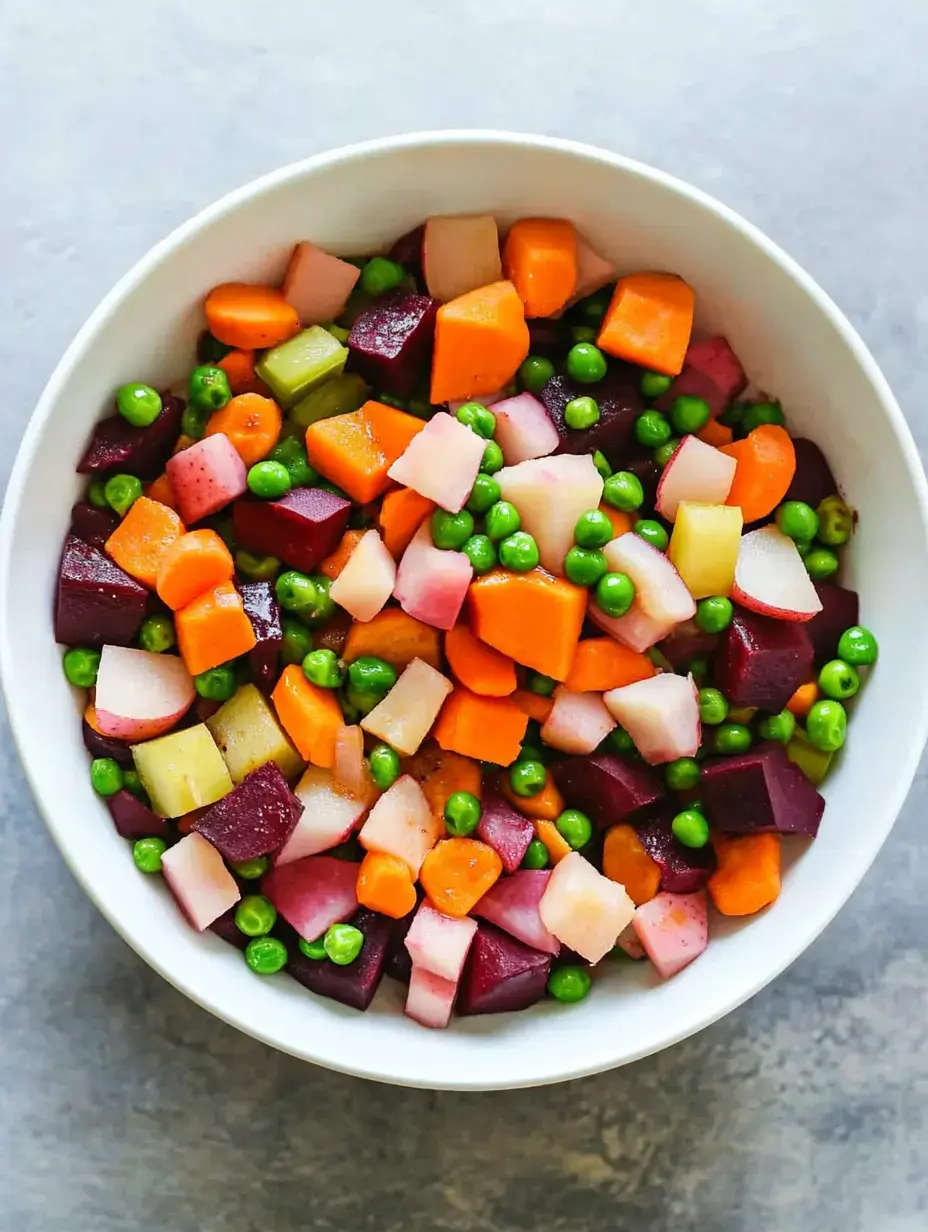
(704, 547)
(182, 771)
(248, 735)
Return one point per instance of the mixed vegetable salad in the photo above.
(463, 620)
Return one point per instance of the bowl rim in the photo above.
(227, 204)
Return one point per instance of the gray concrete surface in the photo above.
(122, 1106)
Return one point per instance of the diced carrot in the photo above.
(532, 617)
(622, 523)
(396, 638)
(309, 715)
(747, 878)
(626, 861)
(457, 873)
(194, 563)
(385, 884)
(401, 515)
(480, 340)
(478, 666)
(485, 728)
(545, 805)
(250, 317)
(716, 434)
(649, 321)
(601, 663)
(440, 774)
(252, 423)
(332, 566)
(239, 367)
(162, 490)
(803, 699)
(213, 629)
(356, 450)
(550, 835)
(90, 718)
(766, 466)
(540, 260)
(183, 442)
(533, 704)
(141, 539)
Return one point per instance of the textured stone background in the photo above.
(122, 1106)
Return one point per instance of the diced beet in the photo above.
(105, 746)
(399, 964)
(256, 817)
(503, 829)
(711, 371)
(609, 788)
(263, 610)
(301, 528)
(203, 708)
(646, 470)
(762, 661)
(694, 384)
(334, 633)
(92, 525)
(117, 445)
(408, 252)
(687, 642)
(97, 602)
(501, 974)
(391, 340)
(840, 610)
(225, 927)
(760, 790)
(356, 983)
(683, 869)
(618, 396)
(546, 335)
(813, 480)
(133, 819)
(512, 905)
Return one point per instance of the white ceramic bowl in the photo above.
(792, 340)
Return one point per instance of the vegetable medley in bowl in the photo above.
(464, 619)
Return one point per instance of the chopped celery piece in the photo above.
(295, 367)
(339, 396)
(814, 763)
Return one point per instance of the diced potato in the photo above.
(248, 735)
(182, 772)
(814, 763)
(405, 716)
(704, 547)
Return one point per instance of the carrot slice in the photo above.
(748, 875)
(478, 666)
(440, 774)
(550, 835)
(239, 367)
(195, 562)
(533, 704)
(803, 699)
(141, 539)
(90, 718)
(401, 515)
(396, 638)
(250, 317)
(309, 715)
(602, 663)
(458, 872)
(480, 340)
(251, 422)
(716, 434)
(356, 450)
(332, 566)
(485, 728)
(649, 321)
(622, 523)
(766, 465)
(385, 884)
(540, 260)
(213, 629)
(162, 490)
(545, 805)
(626, 861)
(532, 617)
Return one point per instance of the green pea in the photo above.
(519, 552)
(255, 915)
(210, 350)
(698, 668)
(593, 529)
(266, 955)
(623, 491)
(481, 553)
(484, 494)
(615, 593)
(380, 274)
(821, 563)
(535, 373)
(582, 333)
(652, 532)
(324, 607)
(209, 388)
(594, 307)
(343, 944)
(502, 519)
(81, 667)
(858, 647)
(575, 828)
(226, 531)
(391, 400)
(269, 480)
(569, 984)
(105, 776)
(478, 418)
(338, 332)
(621, 741)
(733, 414)
(139, 404)
(536, 855)
(757, 413)
(528, 778)
(797, 520)
(586, 364)
(779, 727)
(492, 459)
(537, 682)
(322, 668)
(581, 413)
(218, 684)
(839, 680)
(713, 708)
(601, 464)
(585, 566)
(297, 641)
(385, 766)
(663, 455)
(652, 430)
(360, 702)
(312, 949)
(462, 813)
(194, 420)
(532, 752)
(653, 384)
(713, 615)
(96, 494)
(292, 454)
(689, 414)
(826, 725)
(690, 828)
(147, 853)
(122, 491)
(372, 675)
(296, 592)
(835, 522)
(132, 782)
(251, 870)
(682, 774)
(157, 633)
(732, 738)
(451, 530)
(256, 568)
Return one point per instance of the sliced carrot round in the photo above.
(252, 423)
(250, 317)
(766, 465)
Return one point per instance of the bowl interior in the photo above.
(793, 343)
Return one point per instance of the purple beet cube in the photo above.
(224, 926)
(545, 336)
(263, 610)
(609, 788)
(356, 983)
(105, 746)
(694, 384)
(761, 661)
(758, 791)
(683, 869)
(647, 471)
(390, 341)
(302, 528)
(840, 610)
(133, 819)
(92, 525)
(618, 396)
(97, 603)
(686, 643)
(813, 480)
(255, 819)
(408, 252)
(503, 829)
(711, 371)
(399, 963)
(117, 445)
(501, 974)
